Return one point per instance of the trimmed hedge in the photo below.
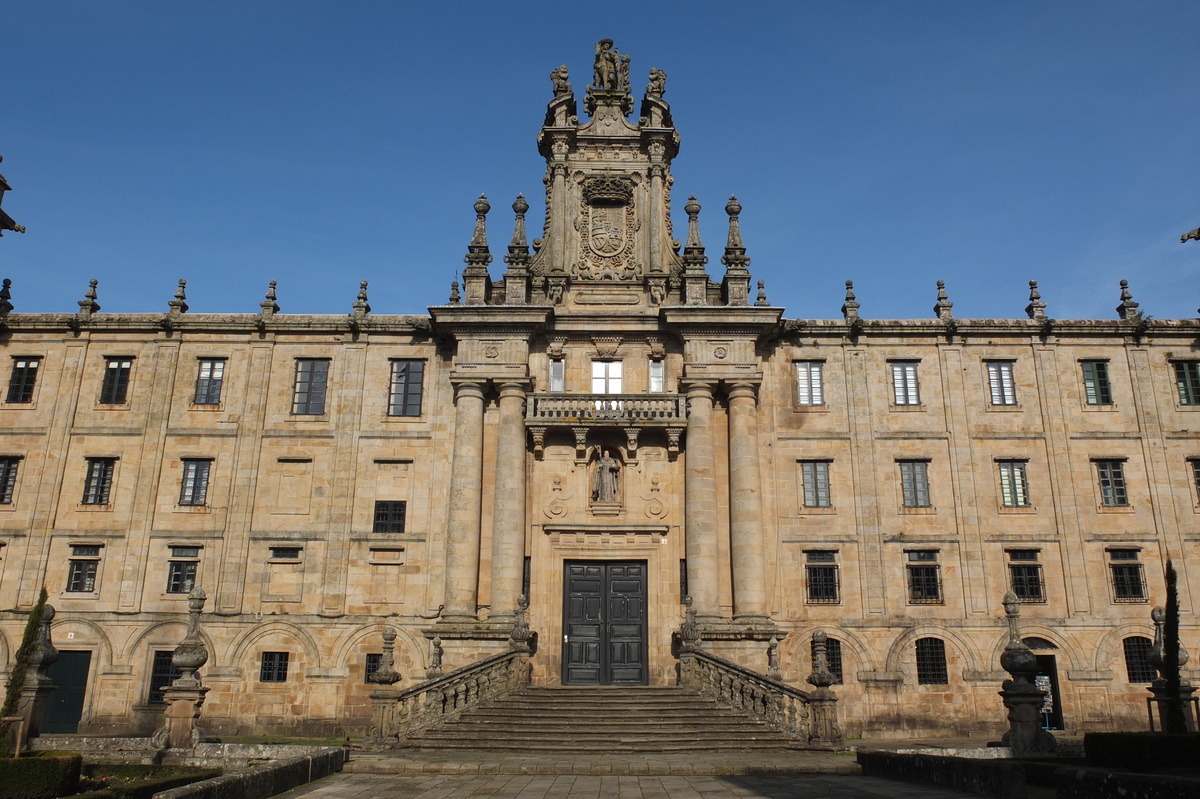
(39, 775)
(149, 780)
(1142, 751)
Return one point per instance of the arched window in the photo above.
(1137, 664)
(833, 655)
(931, 662)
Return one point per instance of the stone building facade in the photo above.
(607, 424)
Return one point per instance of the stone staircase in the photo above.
(602, 720)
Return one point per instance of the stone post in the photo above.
(688, 641)
(37, 687)
(745, 501)
(700, 490)
(1158, 686)
(465, 504)
(185, 696)
(824, 731)
(1023, 699)
(383, 699)
(508, 517)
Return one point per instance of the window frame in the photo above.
(657, 376)
(923, 577)
(390, 514)
(608, 377)
(114, 387)
(557, 375)
(1002, 383)
(310, 387)
(183, 569)
(1138, 669)
(194, 481)
(210, 381)
(1127, 576)
(98, 482)
(822, 580)
(22, 380)
(372, 664)
(810, 383)
(83, 569)
(906, 383)
(1097, 383)
(406, 387)
(10, 466)
(273, 667)
(914, 483)
(1187, 381)
(1195, 464)
(814, 479)
(1113, 487)
(1014, 483)
(932, 665)
(1026, 579)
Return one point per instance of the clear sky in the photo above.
(322, 143)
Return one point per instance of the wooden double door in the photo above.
(604, 623)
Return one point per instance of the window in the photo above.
(404, 398)
(1195, 476)
(181, 569)
(1014, 487)
(931, 662)
(1137, 659)
(924, 577)
(816, 483)
(209, 380)
(115, 388)
(821, 573)
(810, 384)
(1112, 483)
(308, 396)
(904, 383)
(914, 483)
(558, 375)
(1129, 581)
(286, 553)
(606, 377)
(1187, 380)
(82, 568)
(274, 667)
(658, 376)
(98, 484)
(8, 479)
(22, 379)
(193, 488)
(1001, 383)
(163, 672)
(389, 516)
(1026, 575)
(833, 656)
(1097, 390)
(374, 662)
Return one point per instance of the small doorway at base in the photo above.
(1047, 671)
(604, 623)
(64, 708)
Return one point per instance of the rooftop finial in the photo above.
(516, 279)
(692, 209)
(519, 206)
(455, 298)
(943, 305)
(475, 276)
(559, 77)
(1036, 309)
(6, 305)
(737, 275)
(762, 295)
(850, 306)
(269, 306)
(1128, 309)
(88, 305)
(179, 304)
(361, 306)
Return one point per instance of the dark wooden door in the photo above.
(65, 706)
(604, 623)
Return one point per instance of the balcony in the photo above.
(584, 412)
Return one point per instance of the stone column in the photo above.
(700, 496)
(745, 507)
(465, 505)
(508, 517)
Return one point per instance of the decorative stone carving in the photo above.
(1128, 309)
(185, 696)
(606, 480)
(823, 701)
(179, 305)
(1022, 698)
(1158, 686)
(773, 670)
(361, 306)
(658, 83)
(606, 346)
(269, 306)
(386, 674)
(518, 640)
(607, 222)
(435, 659)
(942, 307)
(1036, 309)
(850, 306)
(559, 78)
(88, 305)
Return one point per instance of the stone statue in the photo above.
(658, 83)
(559, 77)
(606, 483)
(606, 71)
(623, 78)
(1191, 234)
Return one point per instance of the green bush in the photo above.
(136, 781)
(39, 775)
(1142, 751)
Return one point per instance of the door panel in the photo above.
(605, 623)
(64, 708)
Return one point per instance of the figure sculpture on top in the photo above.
(658, 82)
(606, 72)
(559, 77)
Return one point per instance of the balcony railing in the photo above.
(617, 409)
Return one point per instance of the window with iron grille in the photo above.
(1097, 390)
(1196, 476)
(821, 573)
(23, 378)
(274, 667)
(810, 383)
(181, 569)
(97, 486)
(1187, 380)
(558, 375)
(924, 578)
(308, 395)
(209, 379)
(1137, 659)
(1113, 493)
(286, 553)
(816, 483)
(163, 672)
(82, 568)
(1014, 485)
(904, 383)
(374, 662)
(914, 483)
(404, 397)
(389, 516)
(833, 656)
(658, 376)
(193, 487)
(1001, 383)
(8, 479)
(1025, 575)
(115, 388)
(1128, 578)
(931, 662)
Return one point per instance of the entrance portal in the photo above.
(604, 621)
(64, 708)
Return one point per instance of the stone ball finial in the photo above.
(692, 208)
(1159, 614)
(520, 206)
(482, 206)
(733, 207)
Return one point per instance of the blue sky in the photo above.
(323, 143)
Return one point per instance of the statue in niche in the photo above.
(559, 76)
(607, 68)
(606, 481)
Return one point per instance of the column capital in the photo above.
(698, 388)
(514, 387)
(743, 389)
(468, 386)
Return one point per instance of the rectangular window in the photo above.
(1014, 486)
(1112, 483)
(8, 479)
(1196, 476)
(1001, 383)
(82, 568)
(821, 573)
(931, 662)
(1097, 390)
(308, 396)
(606, 377)
(810, 383)
(274, 667)
(389, 516)
(209, 380)
(658, 376)
(924, 577)
(904, 383)
(1026, 575)
(23, 378)
(1129, 581)
(374, 661)
(98, 484)
(1187, 380)
(558, 375)
(193, 488)
(914, 483)
(115, 388)
(163, 672)
(816, 483)
(181, 569)
(286, 553)
(404, 398)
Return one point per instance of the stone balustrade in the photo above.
(634, 410)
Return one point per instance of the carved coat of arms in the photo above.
(606, 225)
